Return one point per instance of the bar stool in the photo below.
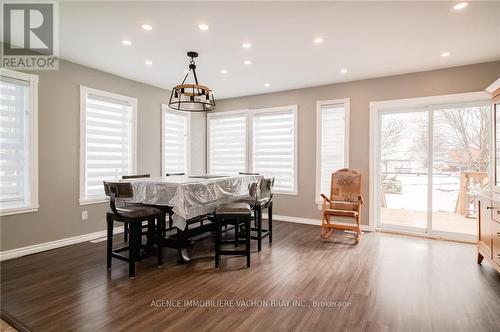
(264, 200)
(132, 216)
(237, 214)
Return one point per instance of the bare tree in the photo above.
(463, 133)
(392, 132)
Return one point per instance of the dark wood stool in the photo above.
(237, 214)
(133, 216)
(261, 201)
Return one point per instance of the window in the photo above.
(175, 142)
(227, 143)
(18, 143)
(260, 141)
(108, 141)
(273, 147)
(332, 151)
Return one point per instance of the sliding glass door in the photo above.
(431, 163)
(404, 170)
(460, 160)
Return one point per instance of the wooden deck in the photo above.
(442, 221)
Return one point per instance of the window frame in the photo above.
(165, 109)
(249, 115)
(84, 91)
(319, 116)
(33, 203)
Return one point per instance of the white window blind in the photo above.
(273, 147)
(175, 142)
(14, 143)
(109, 147)
(333, 143)
(227, 144)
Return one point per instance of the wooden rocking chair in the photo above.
(345, 201)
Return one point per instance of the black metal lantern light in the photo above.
(192, 97)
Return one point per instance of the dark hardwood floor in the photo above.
(385, 283)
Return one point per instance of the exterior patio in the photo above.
(442, 221)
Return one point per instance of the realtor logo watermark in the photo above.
(29, 35)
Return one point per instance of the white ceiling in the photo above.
(370, 39)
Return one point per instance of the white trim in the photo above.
(309, 221)
(165, 109)
(494, 86)
(227, 113)
(19, 210)
(23, 251)
(18, 75)
(84, 91)
(434, 236)
(319, 139)
(424, 104)
(249, 113)
(372, 154)
(94, 201)
(33, 204)
(430, 161)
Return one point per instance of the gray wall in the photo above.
(431, 83)
(59, 215)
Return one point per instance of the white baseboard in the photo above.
(308, 221)
(19, 252)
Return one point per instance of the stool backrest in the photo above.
(266, 186)
(138, 176)
(245, 173)
(253, 191)
(117, 190)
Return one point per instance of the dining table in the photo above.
(190, 197)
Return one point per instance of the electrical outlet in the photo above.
(85, 215)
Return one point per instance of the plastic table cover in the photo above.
(191, 196)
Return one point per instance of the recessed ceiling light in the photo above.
(460, 5)
(318, 40)
(203, 27)
(267, 85)
(247, 62)
(147, 27)
(343, 71)
(445, 54)
(223, 71)
(246, 45)
(148, 62)
(126, 42)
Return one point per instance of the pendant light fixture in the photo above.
(192, 97)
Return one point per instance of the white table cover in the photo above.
(191, 196)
